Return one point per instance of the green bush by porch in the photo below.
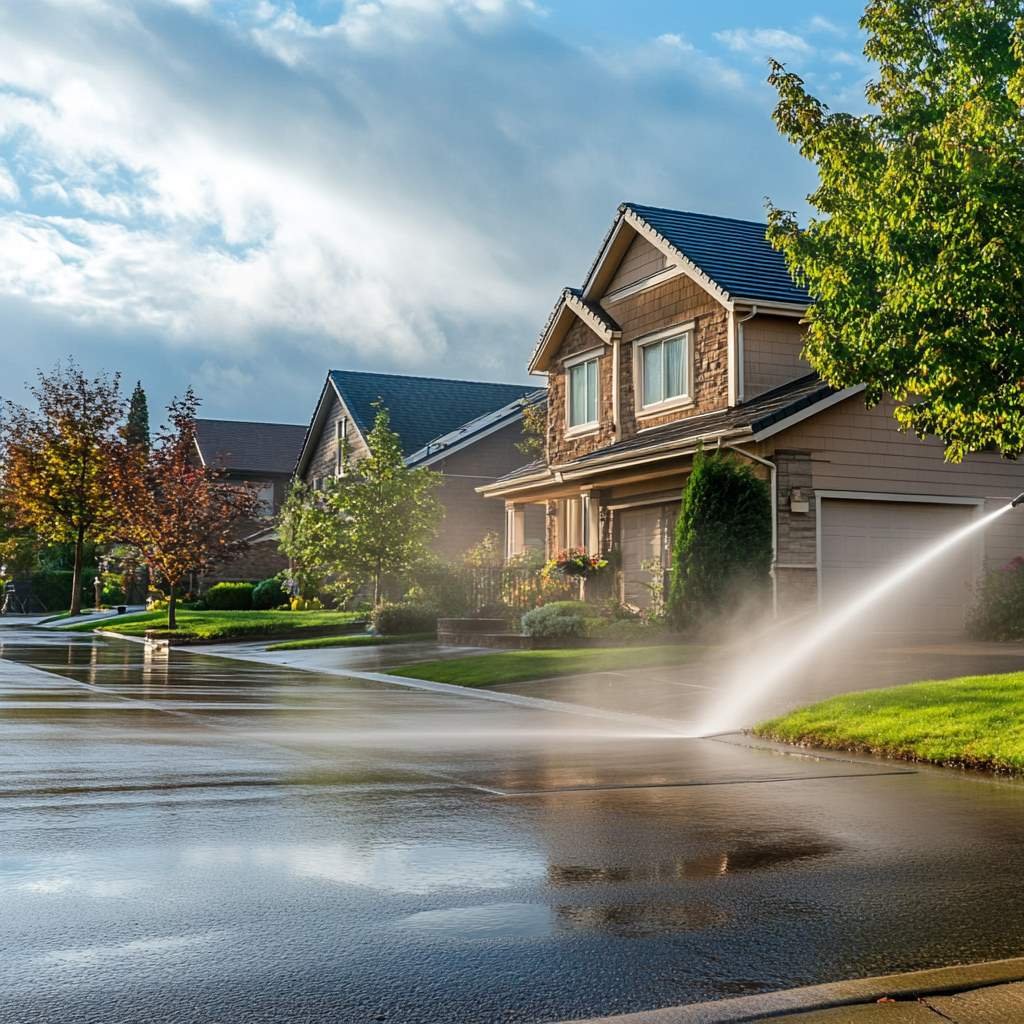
(971, 722)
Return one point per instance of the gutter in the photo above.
(741, 354)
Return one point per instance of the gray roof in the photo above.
(735, 254)
(246, 446)
(422, 409)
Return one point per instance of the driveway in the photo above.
(193, 839)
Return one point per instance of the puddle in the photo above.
(536, 920)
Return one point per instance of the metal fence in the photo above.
(513, 587)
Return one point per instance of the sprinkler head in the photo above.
(1016, 501)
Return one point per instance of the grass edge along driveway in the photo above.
(519, 666)
(970, 722)
(351, 640)
(217, 625)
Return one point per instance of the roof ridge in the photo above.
(443, 380)
(697, 213)
(249, 423)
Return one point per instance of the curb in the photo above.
(939, 981)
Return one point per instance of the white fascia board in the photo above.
(811, 410)
(522, 483)
(199, 451)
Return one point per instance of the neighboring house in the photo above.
(687, 332)
(466, 430)
(262, 455)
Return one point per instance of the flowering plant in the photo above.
(575, 562)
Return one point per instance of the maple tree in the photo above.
(57, 459)
(182, 517)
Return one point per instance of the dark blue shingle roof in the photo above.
(734, 253)
(421, 408)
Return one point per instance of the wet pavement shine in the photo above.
(185, 838)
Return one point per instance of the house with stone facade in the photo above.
(687, 332)
(466, 430)
(263, 456)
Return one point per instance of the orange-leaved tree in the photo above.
(57, 459)
(182, 516)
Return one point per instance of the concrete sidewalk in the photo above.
(985, 993)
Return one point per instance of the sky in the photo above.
(240, 194)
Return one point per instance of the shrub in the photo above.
(113, 590)
(306, 604)
(268, 594)
(407, 617)
(999, 611)
(229, 597)
(440, 586)
(723, 542)
(52, 589)
(557, 619)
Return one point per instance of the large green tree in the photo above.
(57, 460)
(374, 522)
(136, 428)
(915, 255)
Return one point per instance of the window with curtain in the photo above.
(663, 369)
(583, 393)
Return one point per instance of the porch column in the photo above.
(515, 529)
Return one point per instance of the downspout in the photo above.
(773, 491)
(616, 422)
(741, 355)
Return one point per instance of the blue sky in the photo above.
(240, 194)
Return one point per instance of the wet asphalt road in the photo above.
(189, 839)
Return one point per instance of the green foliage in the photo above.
(136, 428)
(51, 588)
(396, 619)
(235, 597)
(533, 442)
(268, 594)
(371, 524)
(487, 553)
(113, 590)
(999, 611)
(723, 544)
(441, 586)
(913, 258)
(556, 620)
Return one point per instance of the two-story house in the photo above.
(466, 430)
(687, 332)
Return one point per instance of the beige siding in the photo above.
(322, 461)
(641, 260)
(469, 516)
(852, 448)
(771, 353)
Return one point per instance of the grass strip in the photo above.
(354, 640)
(971, 722)
(519, 666)
(217, 625)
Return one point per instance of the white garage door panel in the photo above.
(862, 540)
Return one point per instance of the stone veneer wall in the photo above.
(796, 577)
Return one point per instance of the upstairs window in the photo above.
(583, 393)
(664, 368)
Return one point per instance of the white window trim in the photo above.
(592, 426)
(684, 401)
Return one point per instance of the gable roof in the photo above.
(422, 408)
(244, 445)
(734, 254)
(475, 430)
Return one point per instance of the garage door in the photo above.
(645, 537)
(861, 540)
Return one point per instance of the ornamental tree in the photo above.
(136, 428)
(722, 552)
(181, 517)
(374, 522)
(914, 256)
(57, 460)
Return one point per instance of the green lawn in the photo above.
(223, 625)
(518, 666)
(353, 640)
(974, 722)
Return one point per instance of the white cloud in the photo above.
(406, 187)
(8, 186)
(821, 24)
(764, 41)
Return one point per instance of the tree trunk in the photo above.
(172, 600)
(76, 576)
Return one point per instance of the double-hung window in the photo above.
(664, 370)
(583, 393)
